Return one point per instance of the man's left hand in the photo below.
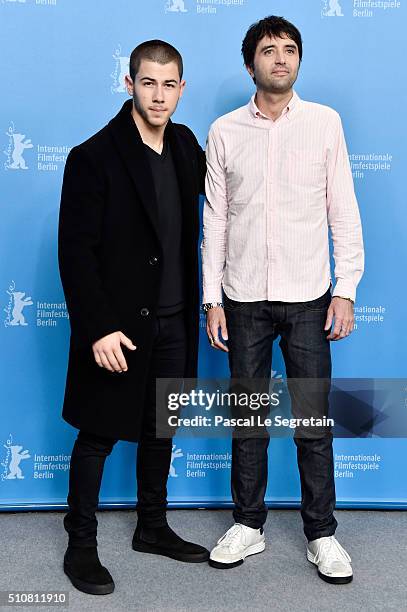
(342, 311)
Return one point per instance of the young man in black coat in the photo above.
(127, 247)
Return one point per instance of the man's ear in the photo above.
(250, 70)
(129, 84)
(182, 87)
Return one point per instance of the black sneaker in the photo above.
(87, 574)
(164, 541)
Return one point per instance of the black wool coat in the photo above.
(110, 262)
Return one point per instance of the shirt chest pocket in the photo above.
(302, 167)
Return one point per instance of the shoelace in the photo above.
(331, 547)
(232, 534)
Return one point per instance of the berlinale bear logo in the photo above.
(120, 71)
(175, 6)
(16, 146)
(15, 306)
(334, 10)
(176, 453)
(13, 459)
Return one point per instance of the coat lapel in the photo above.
(131, 150)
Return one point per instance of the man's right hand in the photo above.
(108, 353)
(215, 319)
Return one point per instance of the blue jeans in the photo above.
(252, 328)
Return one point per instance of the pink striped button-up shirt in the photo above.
(273, 188)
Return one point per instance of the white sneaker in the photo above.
(235, 545)
(332, 560)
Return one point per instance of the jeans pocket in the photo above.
(320, 303)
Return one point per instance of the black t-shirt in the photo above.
(171, 298)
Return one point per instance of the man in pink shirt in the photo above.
(278, 178)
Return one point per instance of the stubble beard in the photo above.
(143, 113)
(275, 86)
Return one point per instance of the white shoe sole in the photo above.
(337, 579)
(254, 549)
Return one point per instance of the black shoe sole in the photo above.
(144, 547)
(220, 565)
(89, 587)
(337, 580)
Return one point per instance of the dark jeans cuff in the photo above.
(248, 522)
(325, 533)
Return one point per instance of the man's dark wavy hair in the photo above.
(269, 26)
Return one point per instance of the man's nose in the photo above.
(280, 59)
(158, 94)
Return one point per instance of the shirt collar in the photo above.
(288, 110)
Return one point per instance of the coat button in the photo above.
(144, 312)
(153, 260)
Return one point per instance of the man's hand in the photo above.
(215, 318)
(108, 353)
(342, 310)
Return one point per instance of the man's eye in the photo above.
(147, 83)
(170, 85)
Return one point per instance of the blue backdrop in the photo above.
(62, 66)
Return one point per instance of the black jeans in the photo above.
(252, 327)
(153, 455)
